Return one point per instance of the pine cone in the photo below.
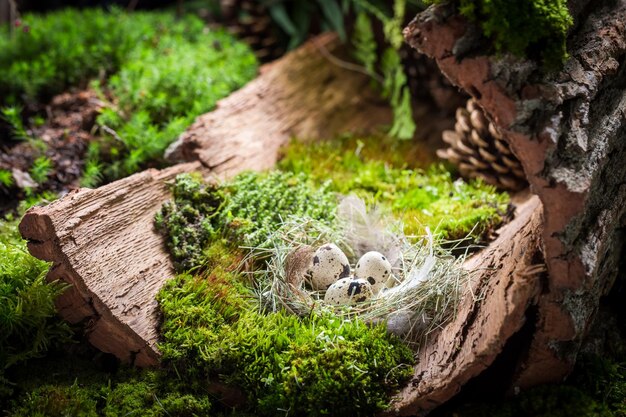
(250, 21)
(426, 80)
(477, 148)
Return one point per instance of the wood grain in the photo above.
(308, 94)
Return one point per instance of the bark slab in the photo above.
(309, 95)
(506, 280)
(567, 128)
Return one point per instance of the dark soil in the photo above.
(63, 139)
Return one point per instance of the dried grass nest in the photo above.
(431, 282)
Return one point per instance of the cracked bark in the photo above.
(567, 129)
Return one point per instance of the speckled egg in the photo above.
(348, 291)
(328, 265)
(375, 268)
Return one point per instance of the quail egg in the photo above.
(348, 291)
(375, 268)
(328, 265)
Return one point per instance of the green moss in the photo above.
(189, 220)
(246, 210)
(213, 328)
(533, 28)
(53, 401)
(156, 73)
(258, 204)
(318, 365)
(68, 47)
(6, 178)
(544, 401)
(603, 379)
(28, 322)
(60, 388)
(161, 87)
(379, 173)
(596, 388)
(155, 394)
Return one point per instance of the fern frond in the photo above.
(364, 43)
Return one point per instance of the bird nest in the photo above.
(430, 282)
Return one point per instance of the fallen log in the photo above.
(103, 241)
(567, 129)
(308, 95)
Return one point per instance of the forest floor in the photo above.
(54, 154)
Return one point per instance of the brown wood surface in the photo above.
(309, 94)
(505, 281)
(567, 128)
(103, 243)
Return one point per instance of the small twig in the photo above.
(111, 132)
(345, 64)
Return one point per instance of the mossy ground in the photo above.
(153, 73)
(384, 174)
(319, 365)
(214, 327)
(28, 322)
(597, 388)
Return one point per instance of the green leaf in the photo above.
(281, 17)
(333, 14)
(364, 43)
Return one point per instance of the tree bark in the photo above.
(505, 282)
(102, 242)
(567, 129)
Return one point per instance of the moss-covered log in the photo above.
(567, 128)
